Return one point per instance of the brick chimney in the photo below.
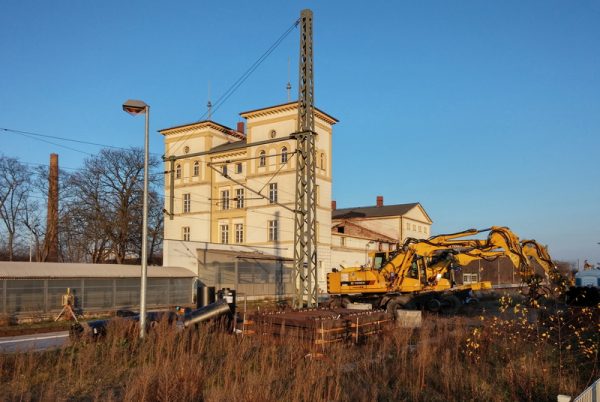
(333, 205)
(240, 127)
(380, 200)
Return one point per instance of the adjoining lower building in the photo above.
(357, 231)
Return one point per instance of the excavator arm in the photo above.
(500, 241)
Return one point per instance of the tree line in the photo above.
(100, 209)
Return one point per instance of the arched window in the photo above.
(262, 160)
(284, 155)
(322, 161)
(196, 168)
(178, 171)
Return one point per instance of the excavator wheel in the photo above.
(397, 303)
(335, 302)
(450, 305)
(339, 302)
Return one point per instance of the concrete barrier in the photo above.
(408, 318)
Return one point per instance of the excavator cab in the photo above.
(378, 259)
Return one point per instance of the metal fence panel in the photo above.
(157, 291)
(98, 294)
(180, 291)
(45, 295)
(25, 295)
(127, 292)
(591, 394)
(255, 277)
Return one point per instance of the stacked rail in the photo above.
(318, 326)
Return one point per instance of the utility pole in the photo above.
(305, 222)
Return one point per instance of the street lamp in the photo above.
(135, 107)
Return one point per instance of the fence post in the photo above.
(114, 292)
(82, 294)
(46, 295)
(4, 296)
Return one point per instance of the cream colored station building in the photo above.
(233, 190)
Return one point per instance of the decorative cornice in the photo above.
(206, 124)
(286, 107)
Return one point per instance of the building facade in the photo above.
(357, 231)
(234, 190)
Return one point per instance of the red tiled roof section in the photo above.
(353, 230)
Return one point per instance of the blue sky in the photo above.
(488, 113)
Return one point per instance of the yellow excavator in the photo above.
(420, 274)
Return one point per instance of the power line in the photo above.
(158, 174)
(29, 133)
(47, 142)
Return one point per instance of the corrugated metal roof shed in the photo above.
(76, 270)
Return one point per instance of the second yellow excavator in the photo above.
(420, 274)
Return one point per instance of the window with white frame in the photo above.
(225, 234)
(224, 199)
(284, 155)
(196, 168)
(273, 231)
(239, 232)
(272, 193)
(470, 278)
(262, 159)
(185, 233)
(187, 202)
(239, 198)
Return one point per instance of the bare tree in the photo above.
(34, 222)
(106, 211)
(15, 186)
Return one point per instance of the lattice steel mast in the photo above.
(305, 225)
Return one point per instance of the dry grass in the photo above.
(439, 362)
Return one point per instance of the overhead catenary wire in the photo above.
(231, 90)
